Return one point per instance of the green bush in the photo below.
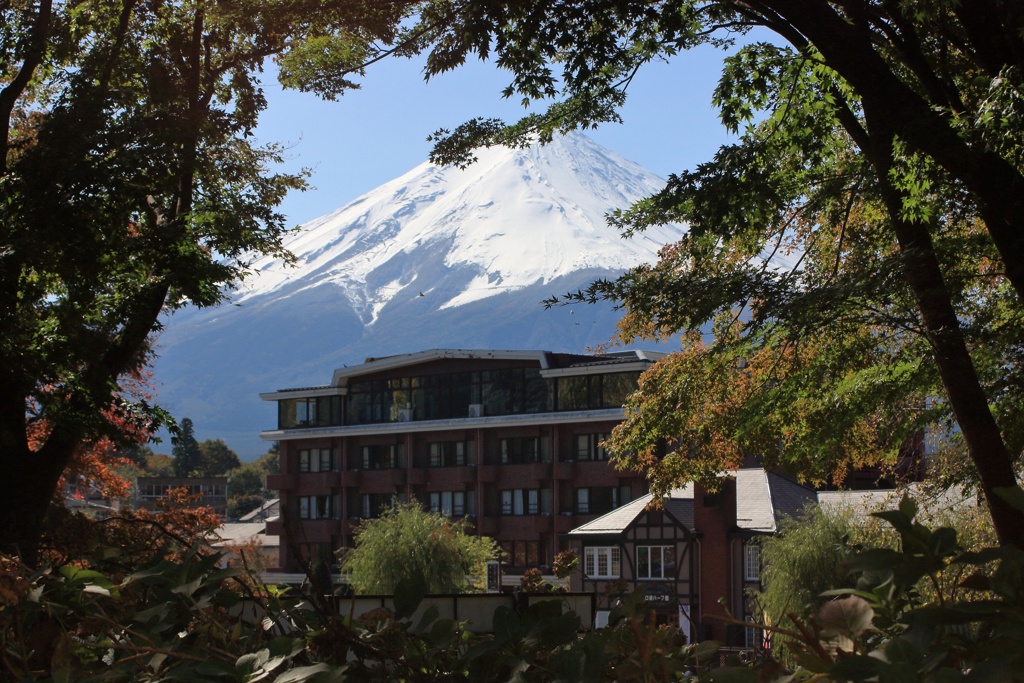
(407, 542)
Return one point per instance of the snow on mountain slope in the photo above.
(439, 257)
(513, 219)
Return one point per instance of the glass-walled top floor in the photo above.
(509, 391)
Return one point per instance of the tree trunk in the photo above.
(26, 491)
(894, 110)
(966, 396)
(998, 187)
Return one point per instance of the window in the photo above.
(598, 500)
(588, 447)
(524, 554)
(155, 490)
(755, 638)
(655, 562)
(601, 562)
(448, 395)
(591, 392)
(526, 502)
(318, 507)
(327, 460)
(751, 562)
(322, 411)
(583, 501)
(451, 453)
(374, 503)
(521, 449)
(452, 503)
(318, 460)
(512, 391)
(380, 457)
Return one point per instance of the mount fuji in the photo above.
(437, 258)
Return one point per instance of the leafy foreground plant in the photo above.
(188, 619)
(184, 617)
(884, 630)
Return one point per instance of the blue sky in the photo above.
(375, 134)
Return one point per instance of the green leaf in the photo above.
(857, 668)
(303, 674)
(507, 625)
(430, 615)
(872, 559)
(409, 593)
(899, 520)
(62, 660)
(850, 616)
(903, 650)
(996, 669)
(734, 674)
(1014, 495)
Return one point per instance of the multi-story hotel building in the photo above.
(509, 439)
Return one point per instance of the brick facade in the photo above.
(509, 439)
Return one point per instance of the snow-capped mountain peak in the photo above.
(437, 258)
(515, 218)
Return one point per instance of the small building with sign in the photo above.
(697, 548)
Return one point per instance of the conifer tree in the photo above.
(188, 459)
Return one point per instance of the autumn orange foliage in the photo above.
(133, 537)
(94, 462)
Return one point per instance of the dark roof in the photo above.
(564, 360)
(764, 498)
(321, 386)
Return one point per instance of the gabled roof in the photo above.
(679, 504)
(764, 498)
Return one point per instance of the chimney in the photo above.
(714, 516)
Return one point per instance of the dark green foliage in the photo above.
(242, 504)
(247, 484)
(217, 459)
(248, 479)
(131, 185)
(829, 550)
(884, 629)
(188, 459)
(178, 616)
(800, 562)
(159, 465)
(138, 455)
(270, 462)
(878, 148)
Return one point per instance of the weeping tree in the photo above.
(131, 185)
(409, 543)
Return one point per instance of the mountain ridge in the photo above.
(438, 257)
